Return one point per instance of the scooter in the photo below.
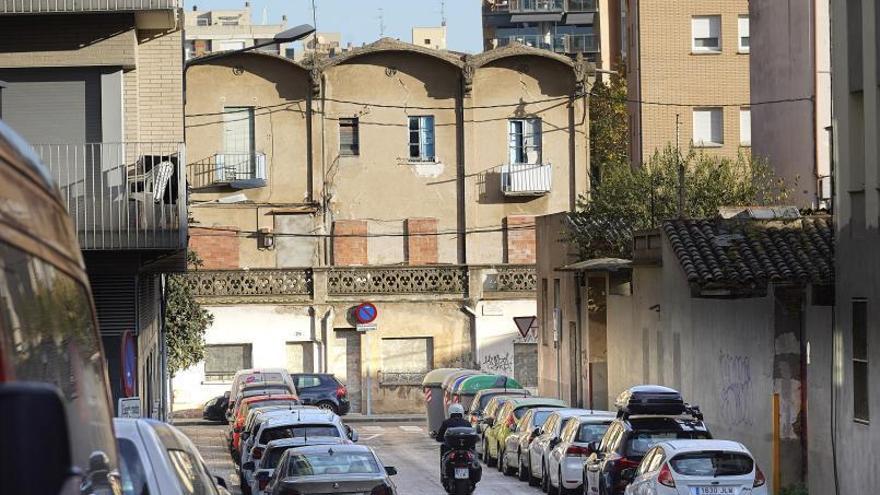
(459, 469)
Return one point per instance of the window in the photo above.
(238, 158)
(192, 478)
(421, 138)
(743, 25)
(223, 361)
(307, 381)
(349, 136)
(708, 126)
(706, 32)
(860, 360)
(203, 22)
(745, 126)
(592, 432)
(712, 464)
(525, 140)
(427, 41)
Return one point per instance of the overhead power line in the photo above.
(224, 232)
(690, 105)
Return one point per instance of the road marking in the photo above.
(411, 429)
(370, 437)
(372, 428)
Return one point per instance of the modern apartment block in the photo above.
(570, 27)
(394, 174)
(209, 31)
(431, 37)
(852, 353)
(791, 69)
(97, 89)
(688, 76)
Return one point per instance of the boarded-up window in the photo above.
(525, 364)
(406, 360)
(349, 138)
(222, 361)
(860, 360)
(300, 357)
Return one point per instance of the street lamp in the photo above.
(286, 36)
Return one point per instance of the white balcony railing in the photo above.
(67, 6)
(517, 6)
(526, 179)
(122, 195)
(560, 43)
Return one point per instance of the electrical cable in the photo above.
(223, 232)
(689, 105)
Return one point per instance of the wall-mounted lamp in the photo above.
(265, 238)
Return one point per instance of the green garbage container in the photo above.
(468, 388)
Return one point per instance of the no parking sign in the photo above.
(365, 314)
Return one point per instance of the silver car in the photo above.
(331, 469)
(274, 450)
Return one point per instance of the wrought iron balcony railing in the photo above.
(69, 6)
(122, 195)
(526, 179)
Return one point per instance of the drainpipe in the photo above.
(325, 332)
(577, 366)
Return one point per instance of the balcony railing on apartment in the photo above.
(67, 6)
(518, 6)
(122, 196)
(581, 6)
(526, 179)
(235, 170)
(560, 43)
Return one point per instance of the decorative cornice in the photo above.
(515, 49)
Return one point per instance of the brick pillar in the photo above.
(217, 246)
(421, 249)
(350, 250)
(520, 239)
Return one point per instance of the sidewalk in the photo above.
(385, 418)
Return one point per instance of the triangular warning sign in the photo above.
(525, 324)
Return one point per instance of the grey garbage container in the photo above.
(434, 406)
(449, 381)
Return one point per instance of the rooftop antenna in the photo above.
(443, 13)
(265, 15)
(381, 22)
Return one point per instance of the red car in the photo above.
(246, 405)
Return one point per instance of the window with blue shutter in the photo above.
(421, 138)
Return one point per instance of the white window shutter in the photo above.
(745, 126)
(702, 126)
(743, 27)
(702, 27)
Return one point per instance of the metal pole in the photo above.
(367, 355)
(680, 165)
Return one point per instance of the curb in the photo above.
(382, 418)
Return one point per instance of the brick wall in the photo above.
(421, 249)
(520, 239)
(217, 247)
(350, 250)
(160, 85)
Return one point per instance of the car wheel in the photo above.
(484, 452)
(328, 406)
(523, 474)
(508, 469)
(545, 479)
(490, 461)
(500, 461)
(533, 480)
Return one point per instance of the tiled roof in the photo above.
(751, 253)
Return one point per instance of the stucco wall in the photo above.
(496, 333)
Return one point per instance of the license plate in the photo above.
(462, 473)
(715, 490)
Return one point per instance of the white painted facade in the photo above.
(496, 334)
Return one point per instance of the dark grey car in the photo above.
(322, 469)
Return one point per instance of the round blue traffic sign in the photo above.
(365, 313)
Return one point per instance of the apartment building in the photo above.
(394, 174)
(321, 45)
(790, 66)
(589, 27)
(431, 37)
(209, 31)
(846, 462)
(688, 76)
(97, 89)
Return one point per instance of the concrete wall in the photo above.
(496, 334)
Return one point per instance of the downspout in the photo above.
(577, 366)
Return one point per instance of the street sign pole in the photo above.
(365, 314)
(369, 356)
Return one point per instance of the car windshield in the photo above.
(518, 413)
(591, 432)
(330, 462)
(263, 377)
(484, 400)
(298, 431)
(253, 392)
(540, 417)
(134, 479)
(712, 464)
(639, 443)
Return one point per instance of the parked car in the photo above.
(242, 410)
(274, 450)
(333, 469)
(249, 433)
(215, 409)
(323, 390)
(243, 377)
(539, 449)
(647, 415)
(506, 420)
(487, 419)
(474, 412)
(516, 446)
(57, 431)
(697, 467)
(158, 459)
(565, 464)
(264, 388)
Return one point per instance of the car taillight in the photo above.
(257, 453)
(341, 392)
(665, 477)
(759, 478)
(577, 450)
(382, 489)
(510, 420)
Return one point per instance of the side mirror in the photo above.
(248, 466)
(490, 421)
(352, 435)
(628, 474)
(536, 432)
(391, 470)
(238, 428)
(221, 482)
(554, 442)
(34, 427)
(593, 446)
(513, 428)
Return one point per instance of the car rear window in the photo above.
(298, 431)
(264, 377)
(639, 442)
(518, 413)
(321, 463)
(592, 432)
(541, 417)
(271, 459)
(267, 403)
(712, 464)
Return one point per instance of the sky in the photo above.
(358, 20)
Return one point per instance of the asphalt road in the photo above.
(404, 446)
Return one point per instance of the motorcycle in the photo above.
(460, 471)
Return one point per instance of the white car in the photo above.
(516, 446)
(274, 450)
(565, 464)
(539, 449)
(249, 376)
(158, 459)
(697, 467)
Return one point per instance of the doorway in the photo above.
(348, 351)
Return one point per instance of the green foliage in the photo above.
(185, 322)
(609, 132)
(798, 489)
(631, 199)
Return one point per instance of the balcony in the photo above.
(84, 6)
(122, 196)
(560, 43)
(581, 6)
(526, 179)
(233, 170)
(581, 43)
(535, 6)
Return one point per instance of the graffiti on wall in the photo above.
(501, 364)
(736, 387)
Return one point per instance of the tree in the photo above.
(185, 322)
(609, 131)
(630, 199)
